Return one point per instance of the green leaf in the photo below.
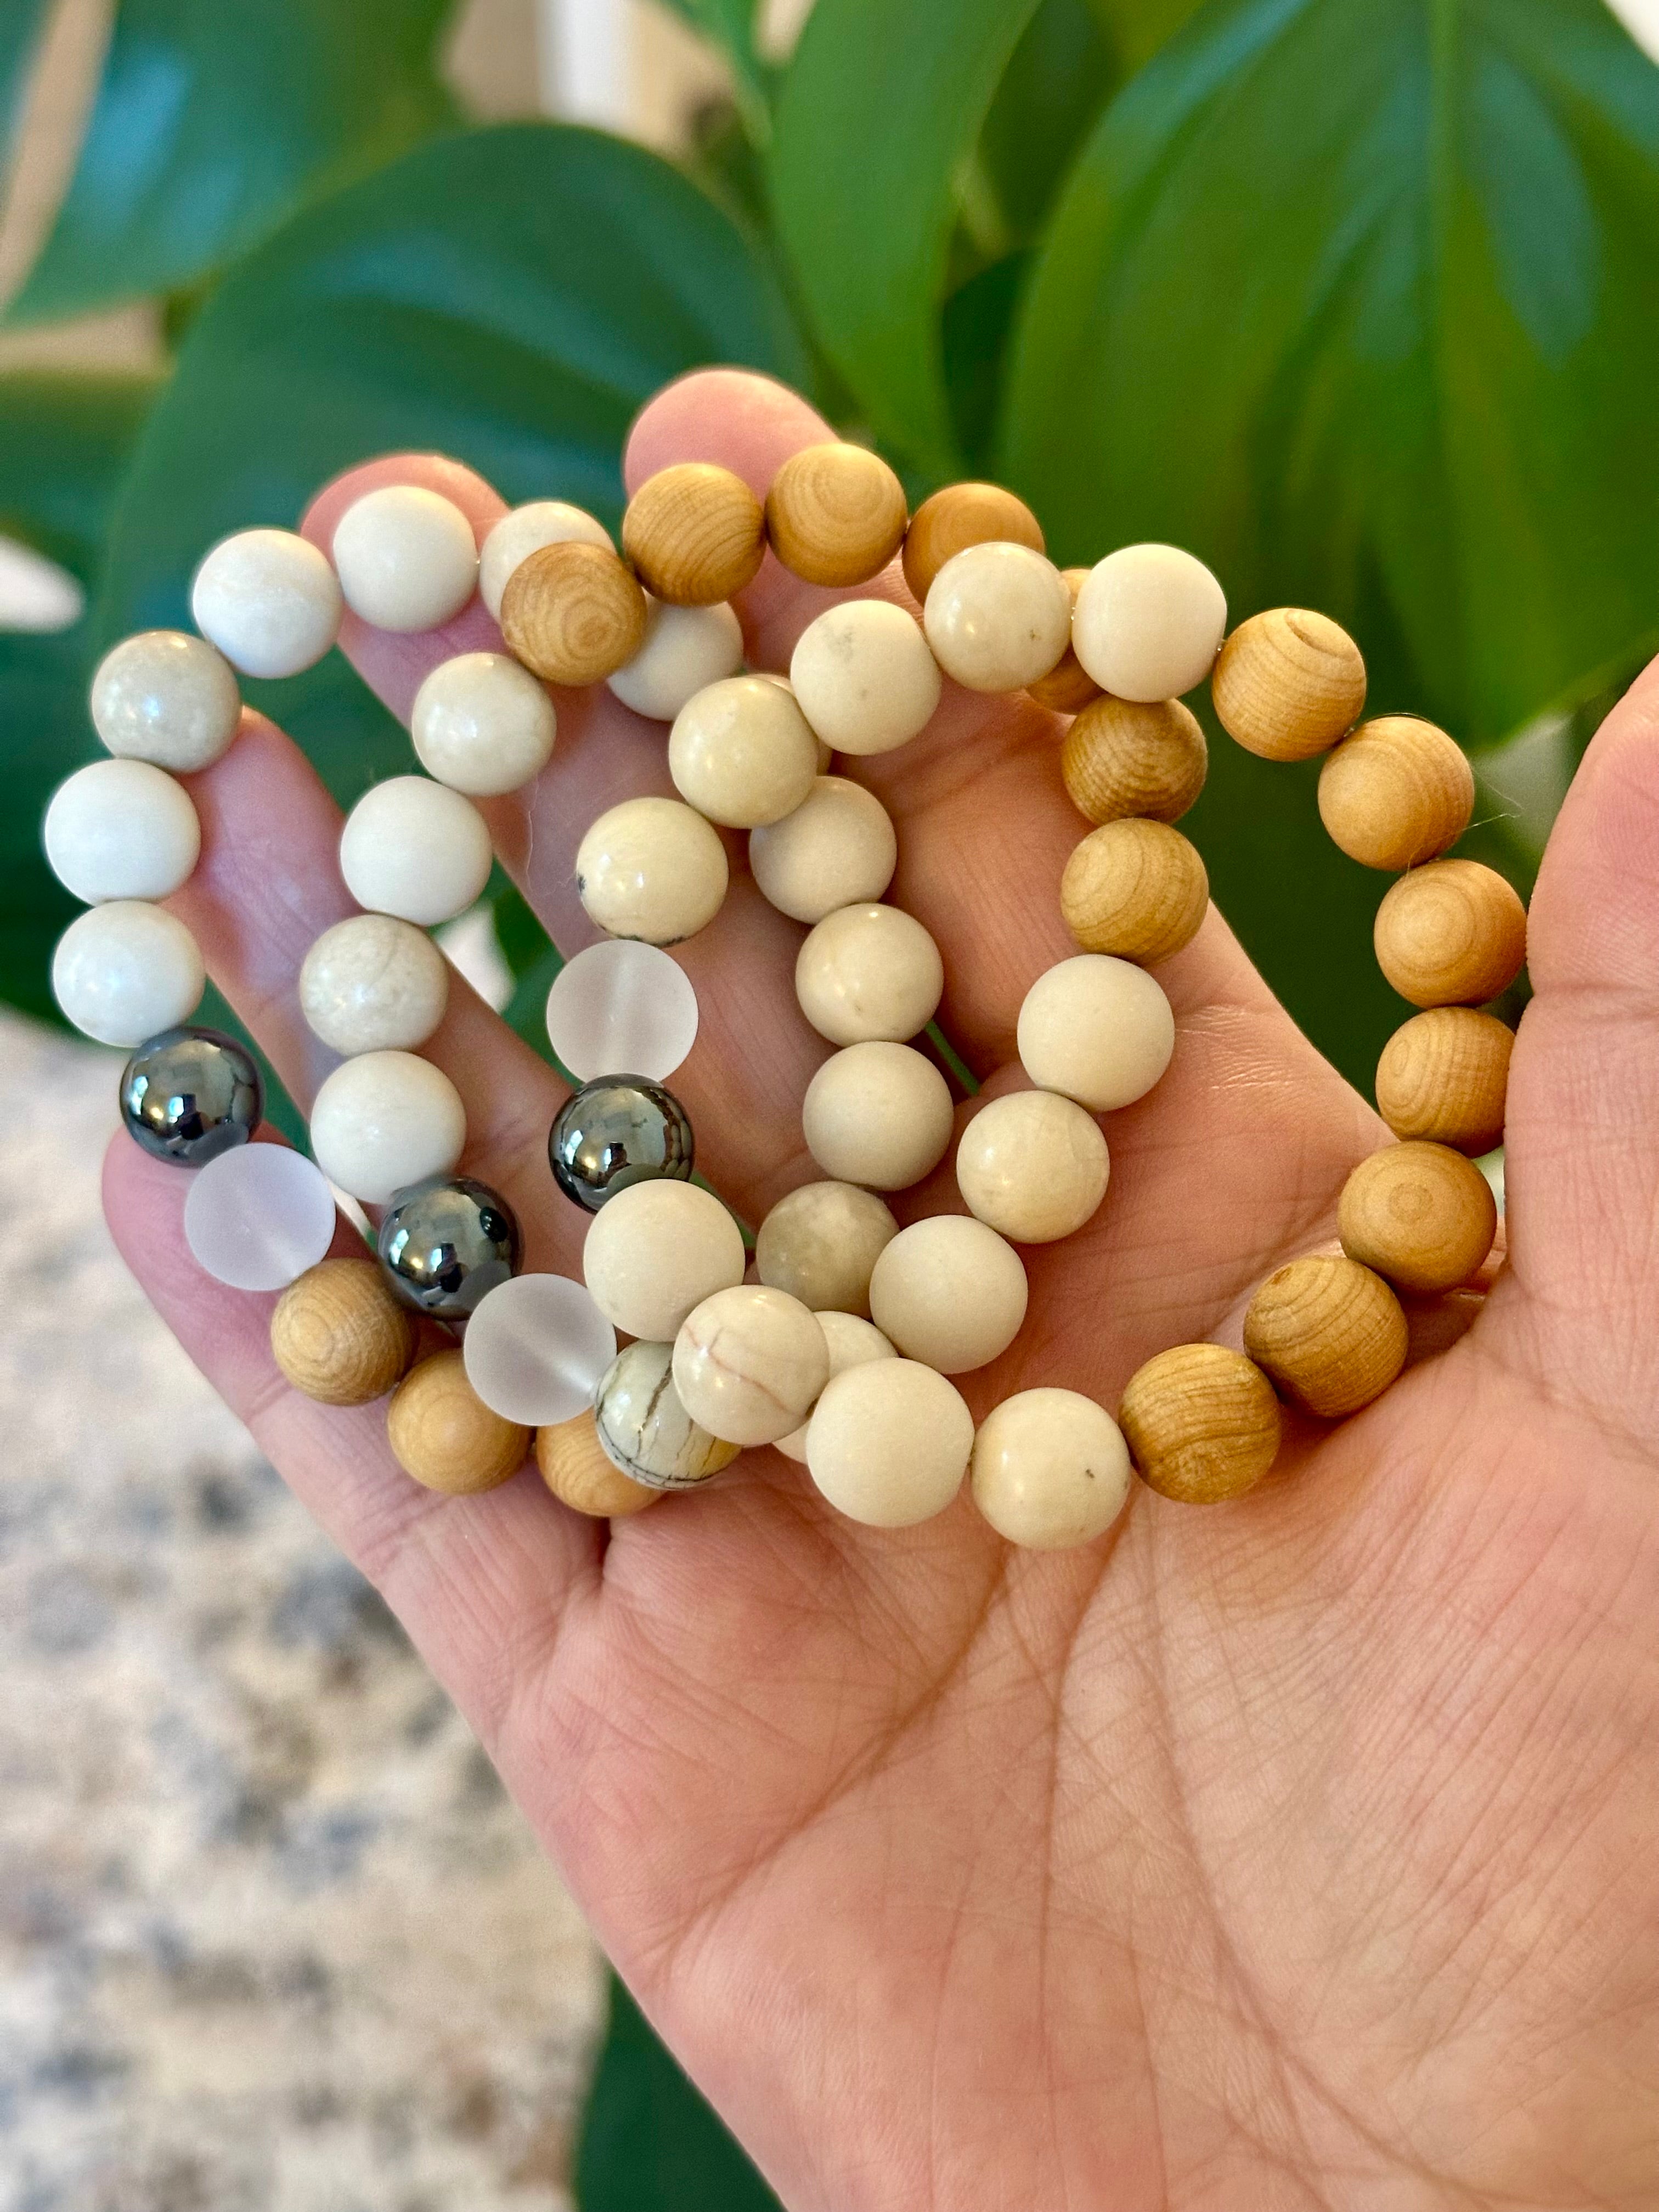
(1136, 28)
(64, 443)
(1057, 80)
(731, 26)
(20, 25)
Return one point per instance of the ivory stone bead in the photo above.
(268, 601)
(1421, 1215)
(524, 530)
(961, 516)
(645, 1431)
(821, 1243)
(167, 698)
(1289, 683)
(572, 613)
(949, 1291)
(483, 725)
(1051, 1469)
(838, 848)
(869, 971)
(1149, 622)
(851, 1342)
(749, 1363)
(652, 868)
(877, 1113)
(889, 1443)
(1136, 889)
(694, 532)
(339, 1336)
(443, 1435)
(865, 676)
(125, 971)
(406, 558)
(683, 650)
(657, 1249)
(121, 829)
(1328, 1332)
(574, 1464)
(415, 849)
(386, 1120)
(1397, 793)
(836, 514)
(742, 752)
(1033, 1166)
(1201, 1423)
(1124, 756)
(1097, 1029)
(1069, 687)
(1443, 1077)
(998, 616)
(374, 984)
(1451, 933)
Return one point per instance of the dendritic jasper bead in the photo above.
(446, 1243)
(620, 1130)
(191, 1094)
(645, 1432)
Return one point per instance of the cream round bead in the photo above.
(877, 1113)
(1095, 1028)
(1033, 1166)
(889, 1443)
(865, 676)
(167, 698)
(949, 1292)
(481, 724)
(657, 1249)
(268, 601)
(820, 1242)
(653, 869)
(406, 558)
(998, 616)
(1050, 1469)
(869, 972)
(524, 530)
(121, 829)
(374, 984)
(386, 1120)
(685, 650)
(749, 1363)
(125, 971)
(1149, 622)
(837, 848)
(415, 849)
(742, 752)
(851, 1343)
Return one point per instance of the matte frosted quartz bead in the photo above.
(268, 601)
(386, 1120)
(483, 725)
(125, 971)
(949, 1292)
(869, 971)
(652, 868)
(998, 616)
(166, 697)
(749, 1363)
(655, 1250)
(121, 829)
(526, 530)
(257, 1218)
(622, 1004)
(877, 1113)
(1149, 622)
(685, 649)
(742, 752)
(820, 1243)
(536, 1349)
(415, 849)
(406, 558)
(374, 984)
(1033, 1166)
(1051, 1469)
(889, 1443)
(851, 1342)
(838, 848)
(865, 676)
(1097, 1029)
(645, 1431)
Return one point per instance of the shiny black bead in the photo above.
(618, 1130)
(444, 1242)
(190, 1094)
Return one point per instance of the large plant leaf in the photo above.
(65, 440)
(732, 25)
(1136, 28)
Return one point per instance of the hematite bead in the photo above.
(618, 1130)
(444, 1242)
(190, 1094)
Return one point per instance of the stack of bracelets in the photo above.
(839, 1354)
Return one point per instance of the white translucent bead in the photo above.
(749, 1363)
(877, 1113)
(949, 1292)
(268, 601)
(482, 724)
(652, 868)
(1097, 1029)
(742, 753)
(536, 1349)
(384, 1120)
(415, 849)
(125, 971)
(838, 848)
(1149, 622)
(621, 1006)
(851, 1342)
(525, 531)
(374, 984)
(1033, 1166)
(869, 971)
(121, 829)
(1051, 1469)
(406, 558)
(820, 1243)
(685, 649)
(166, 697)
(655, 1250)
(998, 616)
(259, 1217)
(889, 1442)
(864, 676)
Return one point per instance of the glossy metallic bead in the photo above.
(190, 1094)
(618, 1130)
(444, 1242)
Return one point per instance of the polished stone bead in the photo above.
(619, 1130)
(446, 1242)
(190, 1094)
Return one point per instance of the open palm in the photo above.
(1295, 1852)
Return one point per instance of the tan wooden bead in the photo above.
(959, 516)
(442, 1433)
(575, 1466)
(1069, 687)
(1421, 1215)
(1288, 683)
(1451, 934)
(1397, 793)
(572, 613)
(1201, 1423)
(339, 1335)
(1137, 889)
(1330, 1333)
(694, 532)
(836, 514)
(1121, 759)
(1443, 1076)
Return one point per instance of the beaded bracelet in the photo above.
(841, 1352)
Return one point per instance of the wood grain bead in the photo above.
(1422, 1215)
(694, 532)
(1201, 1423)
(1397, 793)
(339, 1335)
(1120, 757)
(836, 514)
(1330, 1333)
(1451, 934)
(1288, 683)
(1137, 889)
(1443, 1076)
(572, 613)
(443, 1435)
(573, 1463)
(1069, 687)
(959, 516)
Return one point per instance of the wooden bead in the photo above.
(442, 1433)
(1069, 687)
(574, 1465)
(1288, 685)
(1421, 1214)
(339, 1335)
(1443, 1076)
(958, 516)
(836, 514)
(1329, 1332)
(1451, 934)
(1121, 759)
(1201, 1423)
(572, 613)
(1397, 793)
(1137, 889)
(696, 533)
